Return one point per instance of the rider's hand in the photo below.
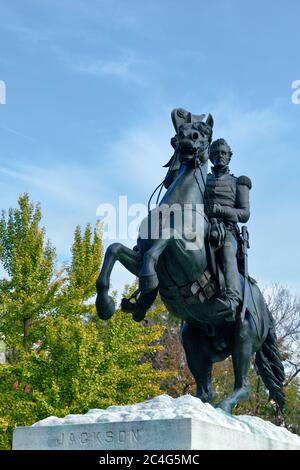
(217, 209)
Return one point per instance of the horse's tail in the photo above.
(270, 368)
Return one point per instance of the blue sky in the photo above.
(90, 87)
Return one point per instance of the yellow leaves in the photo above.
(77, 362)
(74, 370)
(4, 424)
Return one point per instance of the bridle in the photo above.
(197, 165)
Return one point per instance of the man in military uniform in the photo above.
(228, 202)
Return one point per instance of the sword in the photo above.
(245, 247)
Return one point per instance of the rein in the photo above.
(204, 196)
(199, 187)
(159, 186)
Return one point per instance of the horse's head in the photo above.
(194, 140)
(191, 141)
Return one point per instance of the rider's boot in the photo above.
(227, 306)
(228, 302)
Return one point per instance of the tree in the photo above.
(29, 261)
(171, 357)
(285, 309)
(68, 360)
(81, 273)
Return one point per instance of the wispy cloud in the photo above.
(69, 195)
(17, 133)
(64, 183)
(123, 69)
(247, 126)
(138, 154)
(19, 176)
(122, 65)
(26, 33)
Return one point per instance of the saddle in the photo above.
(212, 281)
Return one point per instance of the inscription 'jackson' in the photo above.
(99, 437)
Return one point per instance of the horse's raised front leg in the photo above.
(132, 260)
(199, 361)
(148, 280)
(241, 359)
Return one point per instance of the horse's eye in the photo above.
(195, 136)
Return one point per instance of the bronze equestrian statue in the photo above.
(201, 275)
(229, 202)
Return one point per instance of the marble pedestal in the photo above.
(163, 423)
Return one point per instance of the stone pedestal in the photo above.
(163, 423)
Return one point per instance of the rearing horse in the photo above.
(172, 262)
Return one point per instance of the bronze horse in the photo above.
(171, 263)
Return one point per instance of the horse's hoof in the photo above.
(105, 306)
(205, 397)
(225, 406)
(127, 306)
(137, 311)
(148, 283)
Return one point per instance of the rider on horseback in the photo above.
(187, 278)
(227, 201)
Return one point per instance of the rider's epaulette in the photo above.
(244, 180)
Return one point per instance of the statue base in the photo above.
(164, 423)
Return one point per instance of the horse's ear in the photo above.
(169, 162)
(181, 116)
(210, 121)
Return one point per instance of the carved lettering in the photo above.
(59, 441)
(136, 435)
(85, 437)
(109, 436)
(95, 438)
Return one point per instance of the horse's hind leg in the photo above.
(198, 361)
(132, 260)
(241, 359)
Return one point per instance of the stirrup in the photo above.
(228, 308)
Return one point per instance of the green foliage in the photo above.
(27, 292)
(258, 403)
(81, 274)
(81, 365)
(292, 409)
(172, 358)
(62, 358)
(85, 263)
